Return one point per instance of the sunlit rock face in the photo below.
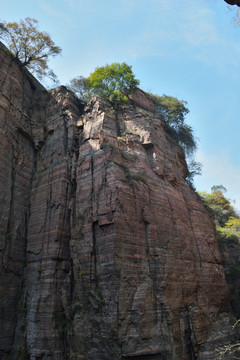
(106, 252)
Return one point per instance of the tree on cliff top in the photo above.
(80, 86)
(173, 112)
(113, 82)
(29, 45)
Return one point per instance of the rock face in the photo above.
(106, 252)
(230, 254)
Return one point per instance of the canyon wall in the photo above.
(106, 252)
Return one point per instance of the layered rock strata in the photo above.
(106, 252)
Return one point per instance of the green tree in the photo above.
(173, 113)
(29, 45)
(218, 188)
(194, 168)
(80, 86)
(172, 110)
(233, 224)
(219, 205)
(113, 83)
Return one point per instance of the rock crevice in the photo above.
(106, 253)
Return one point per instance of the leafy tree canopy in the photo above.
(29, 45)
(219, 204)
(171, 109)
(173, 112)
(113, 82)
(80, 86)
(194, 168)
(233, 223)
(221, 188)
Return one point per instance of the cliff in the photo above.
(106, 252)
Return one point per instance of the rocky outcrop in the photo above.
(233, 2)
(106, 252)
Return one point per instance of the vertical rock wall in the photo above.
(106, 253)
(20, 105)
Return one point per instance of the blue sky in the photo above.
(183, 48)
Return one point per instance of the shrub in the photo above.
(220, 205)
(226, 238)
(173, 113)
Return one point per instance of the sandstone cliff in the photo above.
(106, 252)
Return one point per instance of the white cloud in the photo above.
(53, 12)
(199, 29)
(50, 10)
(191, 29)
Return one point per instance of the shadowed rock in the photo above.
(106, 252)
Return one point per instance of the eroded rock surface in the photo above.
(106, 252)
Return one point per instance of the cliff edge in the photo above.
(106, 252)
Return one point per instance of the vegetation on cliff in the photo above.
(228, 234)
(80, 86)
(116, 82)
(173, 112)
(29, 45)
(219, 205)
(227, 224)
(113, 83)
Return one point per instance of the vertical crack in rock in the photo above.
(149, 148)
(10, 229)
(104, 248)
(93, 267)
(94, 275)
(65, 136)
(119, 132)
(147, 246)
(189, 337)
